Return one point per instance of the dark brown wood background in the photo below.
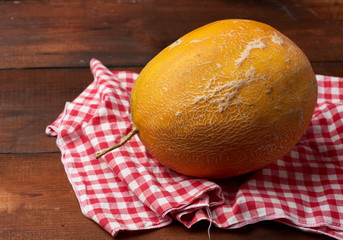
(45, 49)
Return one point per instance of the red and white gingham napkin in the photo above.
(127, 189)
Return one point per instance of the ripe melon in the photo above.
(226, 99)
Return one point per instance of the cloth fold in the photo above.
(127, 189)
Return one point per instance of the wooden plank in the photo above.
(130, 32)
(46, 47)
(31, 99)
(258, 231)
(37, 202)
(329, 69)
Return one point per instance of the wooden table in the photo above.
(45, 49)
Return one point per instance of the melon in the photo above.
(226, 99)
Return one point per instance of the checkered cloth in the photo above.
(127, 189)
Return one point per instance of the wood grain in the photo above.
(31, 99)
(39, 203)
(45, 49)
(131, 32)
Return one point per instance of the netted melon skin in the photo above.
(224, 100)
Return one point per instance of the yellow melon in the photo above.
(226, 99)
